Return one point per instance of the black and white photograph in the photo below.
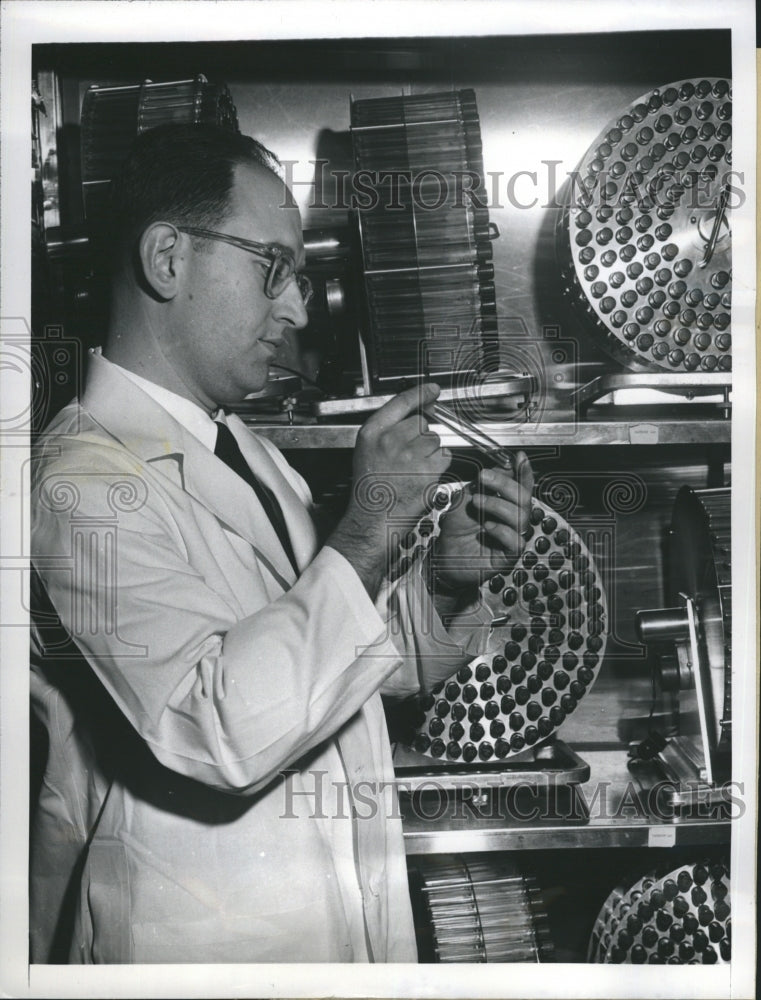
(379, 599)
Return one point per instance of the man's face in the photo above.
(229, 329)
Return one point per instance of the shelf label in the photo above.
(661, 836)
(643, 434)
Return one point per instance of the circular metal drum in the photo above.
(682, 918)
(644, 239)
(539, 663)
(426, 245)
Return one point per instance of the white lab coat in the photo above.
(197, 802)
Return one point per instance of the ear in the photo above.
(160, 258)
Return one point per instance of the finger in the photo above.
(495, 482)
(526, 478)
(524, 472)
(501, 511)
(402, 405)
(506, 538)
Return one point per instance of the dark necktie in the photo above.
(228, 450)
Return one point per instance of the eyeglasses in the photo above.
(282, 264)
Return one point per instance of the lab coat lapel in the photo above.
(301, 530)
(153, 435)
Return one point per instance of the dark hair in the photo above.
(181, 174)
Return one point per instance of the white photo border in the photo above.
(45, 21)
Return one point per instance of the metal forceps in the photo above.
(473, 434)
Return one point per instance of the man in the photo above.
(218, 712)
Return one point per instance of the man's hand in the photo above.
(482, 534)
(396, 462)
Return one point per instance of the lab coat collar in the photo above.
(149, 432)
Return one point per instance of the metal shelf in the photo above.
(682, 430)
(615, 821)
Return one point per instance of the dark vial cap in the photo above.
(663, 920)
(545, 727)
(456, 731)
(684, 881)
(544, 670)
(576, 619)
(699, 941)
(718, 890)
(507, 704)
(522, 695)
(528, 659)
(436, 726)
(475, 713)
(715, 932)
(421, 743)
(453, 750)
(503, 684)
(677, 932)
(438, 748)
(721, 909)
(571, 660)
(542, 545)
(516, 720)
(557, 715)
(670, 889)
(698, 895)
(533, 711)
(536, 645)
(649, 934)
(469, 753)
(482, 672)
(638, 955)
(513, 650)
(464, 674)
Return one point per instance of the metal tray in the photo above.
(548, 764)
